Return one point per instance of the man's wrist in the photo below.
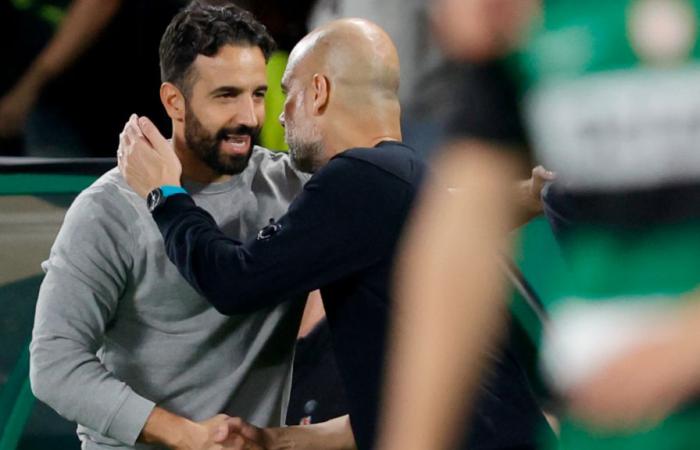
(172, 189)
(165, 428)
(159, 195)
(334, 434)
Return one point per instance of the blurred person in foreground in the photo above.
(341, 119)
(608, 93)
(121, 344)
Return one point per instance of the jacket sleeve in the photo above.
(330, 232)
(85, 276)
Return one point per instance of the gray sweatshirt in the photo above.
(118, 330)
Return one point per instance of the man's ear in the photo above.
(322, 91)
(173, 100)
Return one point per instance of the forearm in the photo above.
(334, 434)
(211, 262)
(688, 343)
(235, 277)
(165, 428)
(66, 374)
(449, 297)
(84, 20)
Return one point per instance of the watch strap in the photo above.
(168, 190)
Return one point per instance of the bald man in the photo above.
(342, 123)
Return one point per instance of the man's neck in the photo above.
(351, 139)
(194, 169)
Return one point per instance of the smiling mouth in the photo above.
(236, 144)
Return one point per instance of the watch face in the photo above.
(154, 199)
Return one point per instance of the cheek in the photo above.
(205, 113)
(260, 113)
(288, 109)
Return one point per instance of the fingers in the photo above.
(129, 136)
(245, 429)
(124, 144)
(151, 133)
(242, 435)
(240, 443)
(133, 122)
(541, 172)
(221, 433)
(144, 166)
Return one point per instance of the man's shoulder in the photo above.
(110, 185)
(109, 193)
(265, 159)
(275, 165)
(391, 158)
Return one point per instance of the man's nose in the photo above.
(281, 119)
(247, 115)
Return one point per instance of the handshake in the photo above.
(223, 432)
(220, 432)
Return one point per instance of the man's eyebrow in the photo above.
(230, 90)
(283, 85)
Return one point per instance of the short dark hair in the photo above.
(202, 28)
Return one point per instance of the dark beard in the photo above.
(306, 157)
(206, 146)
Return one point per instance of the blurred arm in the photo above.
(449, 297)
(84, 20)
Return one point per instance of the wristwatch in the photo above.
(157, 196)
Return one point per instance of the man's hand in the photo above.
(15, 107)
(146, 159)
(645, 385)
(334, 434)
(215, 433)
(531, 190)
(241, 435)
(179, 433)
(528, 195)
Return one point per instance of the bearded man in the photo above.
(122, 345)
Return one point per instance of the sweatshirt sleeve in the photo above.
(86, 274)
(330, 232)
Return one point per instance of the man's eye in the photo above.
(260, 94)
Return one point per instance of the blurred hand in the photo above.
(642, 387)
(530, 192)
(15, 107)
(146, 159)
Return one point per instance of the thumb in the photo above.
(243, 428)
(220, 433)
(151, 132)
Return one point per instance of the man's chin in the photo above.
(303, 165)
(226, 164)
(234, 164)
(307, 158)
